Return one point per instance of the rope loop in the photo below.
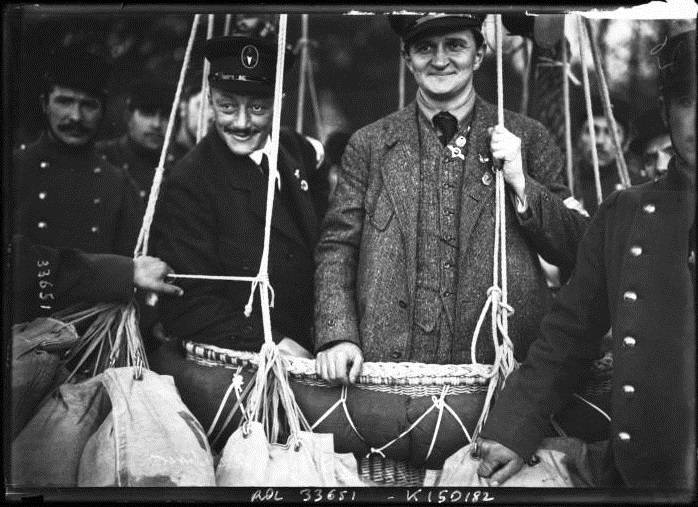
(261, 279)
(375, 451)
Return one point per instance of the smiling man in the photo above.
(67, 196)
(211, 219)
(404, 262)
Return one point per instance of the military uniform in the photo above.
(73, 198)
(139, 163)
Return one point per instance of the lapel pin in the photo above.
(455, 152)
(487, 178)
(304, 185)
(483, 160)
(297, 174)
(460, 142)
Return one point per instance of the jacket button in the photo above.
(42, 195)
(97, 200)
(629, 342)
(396, 355)
(42, 225)
(636, 251)
(630, 296)
(95, 229)
(628, 390)
(290, 256)
(649, 208)
(142, 193)
(624, 436)
(97, 170)
(402, 303)
(331, 322)
(43, 165)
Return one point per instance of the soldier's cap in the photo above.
(410, 26)
(79, 70)
(242, 64)
(151, 95)
(676, 61)
(649, 126)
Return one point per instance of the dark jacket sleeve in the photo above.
(185, 226)
(553, 229)
(130, 218)
(569, 341)
(45, 279)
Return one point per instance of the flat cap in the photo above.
(78, 69)
(676, 60)
(151, 94)
(244, 64)
(649, 125)
(408, 26)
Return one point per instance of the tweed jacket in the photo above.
(366, 258)
(46, 279)
(211, 221)
(72, 198)
(632, 275)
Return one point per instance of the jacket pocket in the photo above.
(379, 210)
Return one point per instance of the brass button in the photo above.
(42, 225)
(630, 296)
(628, 390)
(629, 342)
(42, 195)
(142, 193)
(331, 322)
(23, 146)
(619, 186)
(125, 166)
(636, 250)
(624, 436)
(95, 229)
(43, 165)
(97, 170)
(649, 208)
(97, 200)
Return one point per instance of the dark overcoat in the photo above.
(72, 198)
(210, 221)
(46, 279)
(366, 257)
(633, 275)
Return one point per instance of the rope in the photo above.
(401, 81)
(300, 110)
(142, 243)
(228, 20)
(202, 124)
(623, 175)
(568, 117)
(343, 402)
(590, 114)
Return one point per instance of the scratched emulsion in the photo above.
(195, 427)
(152, 481)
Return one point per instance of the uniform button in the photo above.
(95, 229)
(42, 225)
(624, 436)
(630, 296)
(97, 170)
(104, 157)
(43, 165)
(649, 208)
(445, 159)
(395, 354)
(636, 251)
(97, 200)
(628, 390)
(447, 293)
(331, 322)
(619, 186)
(448, 265)
(23, 146)
(629, 342)
(402, 303)
(42, 195)
(142, 193)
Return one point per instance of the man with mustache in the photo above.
(146, 117)
(211, 217)
(67, 196)
(635, 272)
(405, 256)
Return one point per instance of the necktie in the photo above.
(264, 164)
(447, 124)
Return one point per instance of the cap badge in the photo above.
(249, 56)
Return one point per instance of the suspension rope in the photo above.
(568, 117)
(401, 81)
(621, 166)
(300, 109)
(228, 21)
(590, 114)
(202, 124)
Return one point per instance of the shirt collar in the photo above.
(256, 156)
(461, 112)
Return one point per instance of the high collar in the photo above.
(677, 180)
(59, 149)
(151, 156)
(461, 111)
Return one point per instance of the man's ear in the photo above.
(406, 57)
(42, 100)
(479, 56)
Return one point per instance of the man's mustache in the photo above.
(241, 132)
(74, 128)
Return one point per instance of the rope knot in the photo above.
(375, 451)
